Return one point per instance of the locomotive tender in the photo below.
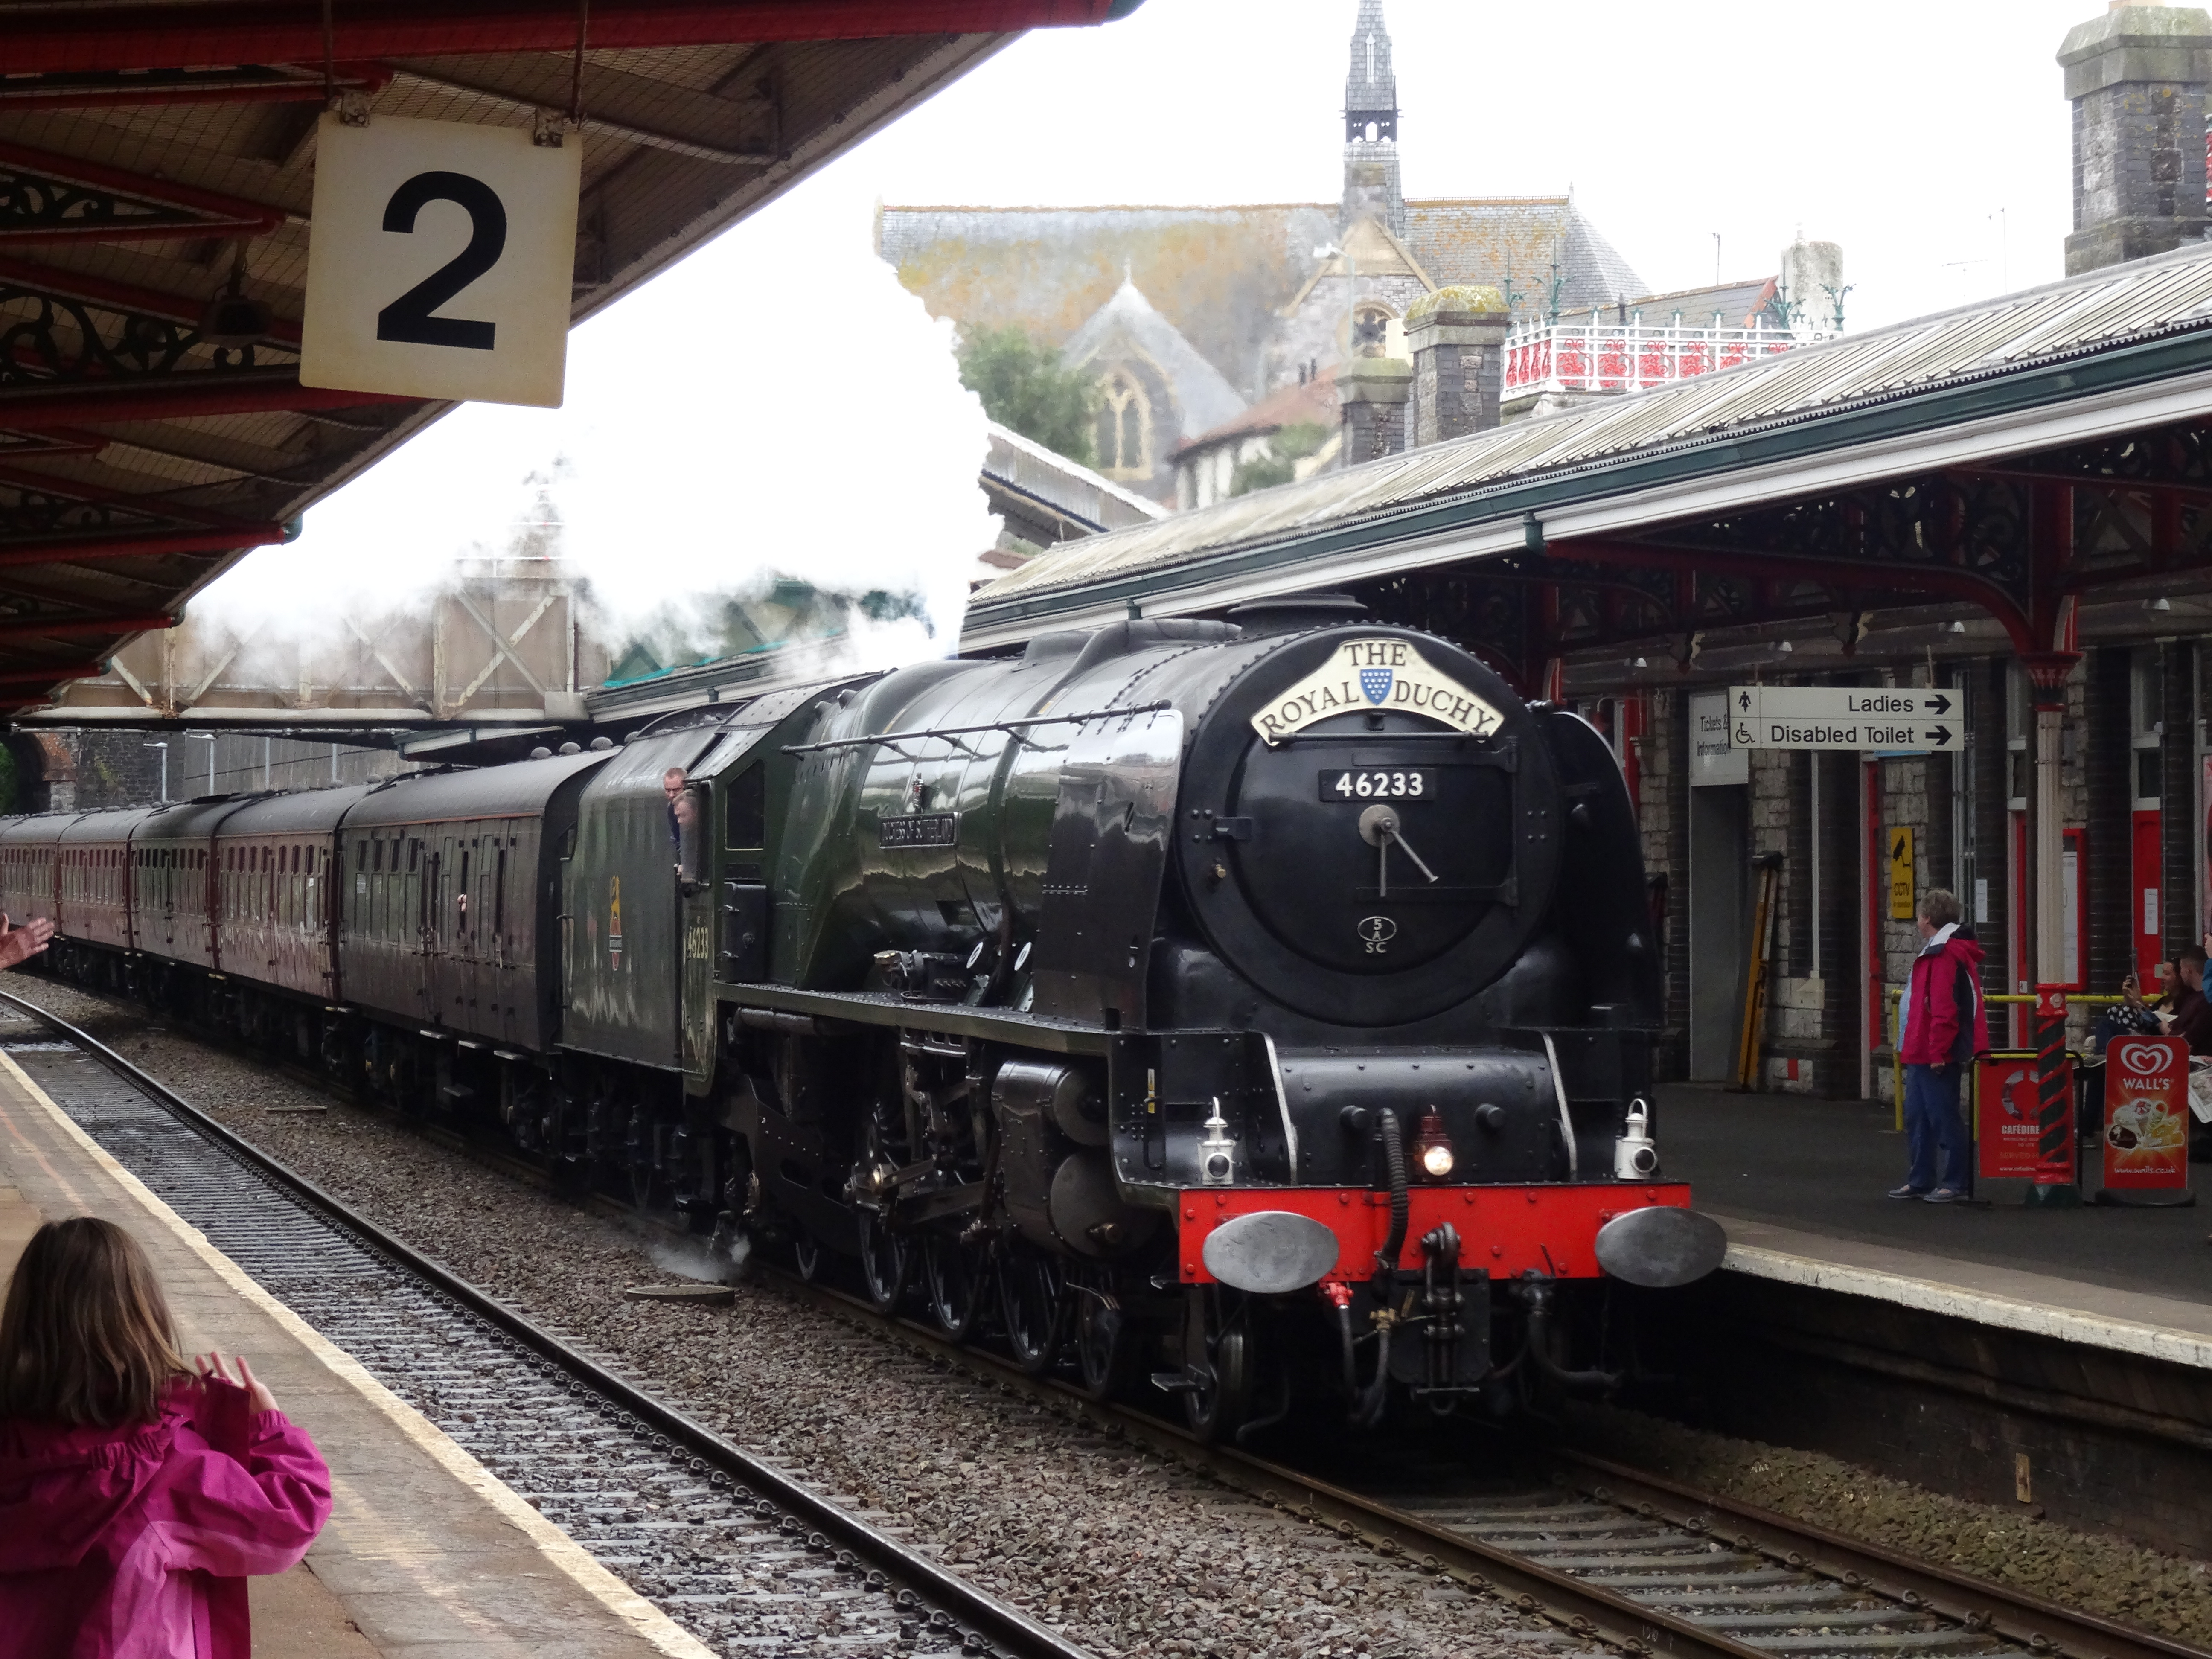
(1265, 1004)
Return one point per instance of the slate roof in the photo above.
(2119, 335)
(1016, 466)
(1313, 403)
(1205, 399)
(1737, 303)
(1219, 275)
(1487, 239)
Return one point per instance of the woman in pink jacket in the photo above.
(135, 1497)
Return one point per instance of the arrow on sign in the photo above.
(1939, 705)
(1938, 735)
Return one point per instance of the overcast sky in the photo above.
(779, 402)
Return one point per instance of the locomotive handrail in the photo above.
(946, 733)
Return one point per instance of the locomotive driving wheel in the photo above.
(886, 1262)
(1032, 1304)
(955, 1277)
(1217, 1383)
(886, 1255)
(1102, 1347)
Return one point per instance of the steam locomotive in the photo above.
(1264, 1007)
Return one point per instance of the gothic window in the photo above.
(1370, 330)
(1125, 428)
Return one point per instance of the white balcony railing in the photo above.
(1612, 356)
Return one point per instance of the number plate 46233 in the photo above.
(1377, 783)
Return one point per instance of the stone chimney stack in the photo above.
(1812, 279)
(1372, 394)
(1458, 338)
(2136, 76)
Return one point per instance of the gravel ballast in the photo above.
(2169, 1594)
(1127, 1552)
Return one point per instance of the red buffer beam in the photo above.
(157, 37)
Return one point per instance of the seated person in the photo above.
(2191, 1019)
(2134, 1015)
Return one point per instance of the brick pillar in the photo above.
(1458, 338)
(1372, 391)
(2136, 76)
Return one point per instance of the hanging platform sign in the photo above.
(2007, 1117)
(2145, 1142)
(1856, 717)
(440, 261)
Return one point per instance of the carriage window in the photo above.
(414, 847)
(499, 897)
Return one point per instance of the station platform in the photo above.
(1800, 1184)
(428, 1555)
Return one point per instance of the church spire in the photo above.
(1370, 127)
(1370, 90)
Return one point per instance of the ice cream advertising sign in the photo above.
(2146, 1112)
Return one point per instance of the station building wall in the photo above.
(2134, 804)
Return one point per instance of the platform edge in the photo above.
(1980, 1307)
(645, 1619)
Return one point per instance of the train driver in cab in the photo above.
(683, 822)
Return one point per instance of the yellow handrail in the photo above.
(1894, 993)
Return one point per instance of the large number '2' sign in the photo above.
(407, 318)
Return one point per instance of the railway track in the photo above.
(730, 1547)
(1605, 1555)
(1611, 1556)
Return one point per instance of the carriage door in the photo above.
(421, 888)
(444, 976)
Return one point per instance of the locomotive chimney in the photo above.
(2136, 76)
(1458, 338)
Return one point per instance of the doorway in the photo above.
(1720, 856)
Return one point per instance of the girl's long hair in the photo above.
(86, 1337)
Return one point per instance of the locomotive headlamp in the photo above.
(1432, 1147)
(1634, 1156)
(1216, 1150)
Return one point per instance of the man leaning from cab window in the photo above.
(683, 822)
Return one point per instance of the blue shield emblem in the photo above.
(1376, 684)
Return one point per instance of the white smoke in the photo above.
(746, 415)
(694, 1260)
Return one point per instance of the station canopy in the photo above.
(156, 172)
(2019, 458)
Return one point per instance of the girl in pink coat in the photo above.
(135, 1497)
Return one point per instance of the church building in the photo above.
(1189, 316)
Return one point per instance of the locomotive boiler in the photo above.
(1259, 1007)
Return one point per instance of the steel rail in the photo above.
(2041, 1625)
(1922, 1588)
(2015, 1614)
(993, 1624)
